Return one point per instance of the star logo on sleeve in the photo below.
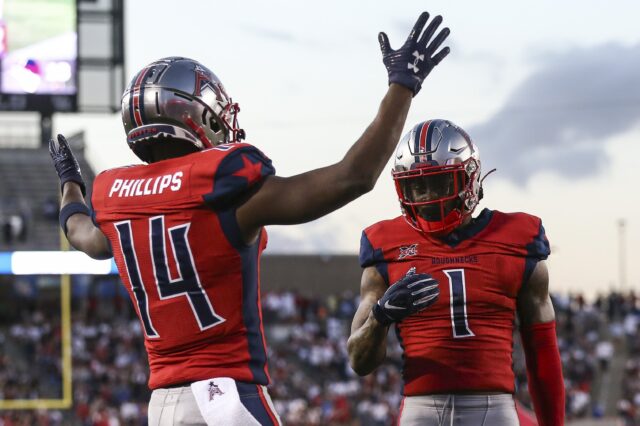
(249, 170)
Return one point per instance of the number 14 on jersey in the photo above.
(186, 285)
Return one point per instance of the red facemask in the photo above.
(433, 197)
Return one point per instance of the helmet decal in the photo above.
(202, 81)
(136, 94)
(421, 142)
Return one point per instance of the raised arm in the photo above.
(313, 194)
(538, 332)
(74, 213)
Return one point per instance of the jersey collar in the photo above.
(469, 231)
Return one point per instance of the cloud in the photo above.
(272, 34)
(560, 118)
(318, 236)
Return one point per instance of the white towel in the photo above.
(220, 404)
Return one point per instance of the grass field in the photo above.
(31, 21)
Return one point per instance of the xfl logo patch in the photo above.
(214, 390)
(408, 251)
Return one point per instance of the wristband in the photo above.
(69, 210)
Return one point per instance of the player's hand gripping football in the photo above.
(410, 65)
(411, 294)
(65, 163)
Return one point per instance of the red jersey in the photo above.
(193, 282)
(464, 341)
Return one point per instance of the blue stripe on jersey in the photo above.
(372, 257)
(471, 230)
(537, 250)
(402, 354)
(250, 296)
(250, 398)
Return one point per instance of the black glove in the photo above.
(411, 294)
(410, 65)
(65, 163)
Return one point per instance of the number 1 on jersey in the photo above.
(458, 303)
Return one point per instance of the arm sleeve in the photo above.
(544, 373)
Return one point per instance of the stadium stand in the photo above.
(28, 197)
(313, 384)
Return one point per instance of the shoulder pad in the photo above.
(242, 167)
(527, 231)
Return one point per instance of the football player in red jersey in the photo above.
(452, 284)
(187, 229)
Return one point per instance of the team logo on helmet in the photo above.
(203, 81)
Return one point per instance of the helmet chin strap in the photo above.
(481, 191)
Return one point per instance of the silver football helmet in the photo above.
(437, 176)
(178, 98)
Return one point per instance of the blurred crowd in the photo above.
(624, 318)
(312, 381)
(15, 216)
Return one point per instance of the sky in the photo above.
(549, 91)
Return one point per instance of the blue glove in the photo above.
(412, 293)
(410, 65)
(65, 163)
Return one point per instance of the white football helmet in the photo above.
(178, 98)
(437, 176)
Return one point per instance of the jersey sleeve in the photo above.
(372, 256)
(538, 249)
(238, 173)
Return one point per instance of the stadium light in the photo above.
(53, 263)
